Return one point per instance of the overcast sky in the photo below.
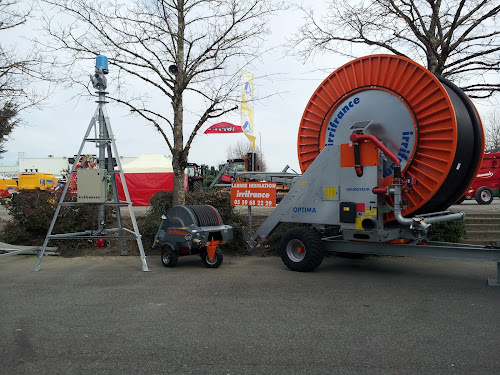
(59, 128)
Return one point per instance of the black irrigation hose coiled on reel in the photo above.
(206, 215)
(468, 152)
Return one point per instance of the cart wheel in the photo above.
(484, 195)
(218, 258)
(301, 249)
(169, 257)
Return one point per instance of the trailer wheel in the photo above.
(484, 195)
(301, 249)
(218, 258)
(197, 185)
(169, 256)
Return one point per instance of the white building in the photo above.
(59, 166)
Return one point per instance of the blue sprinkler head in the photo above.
(101, 61)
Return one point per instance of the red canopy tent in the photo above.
(145, 176)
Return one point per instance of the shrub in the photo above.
(449, 231)
(32, 214)
(161, 202)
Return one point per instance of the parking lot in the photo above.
(378, 315)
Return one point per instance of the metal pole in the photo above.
(103, 134)
(114, 191)
(250, 220)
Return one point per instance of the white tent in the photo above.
(149, 164)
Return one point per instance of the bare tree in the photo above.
(492, 132)
(240, 150)
(17, 70)
(456, 39)
(163, 50)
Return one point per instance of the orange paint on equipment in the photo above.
(368, 153)
(179, 232)
(211, 248)
(399, 241)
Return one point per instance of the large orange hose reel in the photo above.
(429, 123)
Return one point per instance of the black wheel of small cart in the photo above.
(301, 249)
(169, 257)
(218, 258)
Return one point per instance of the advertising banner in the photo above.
(223, 128)
(257, 194)
(246, 107)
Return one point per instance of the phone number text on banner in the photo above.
(258, 194)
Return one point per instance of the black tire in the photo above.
(197, 185)
(218, 258)
(169, 257)
(484, 195)
(301, 249)
(460, 200)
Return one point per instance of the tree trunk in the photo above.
(179, 194)
(179, 159)
(178, 156)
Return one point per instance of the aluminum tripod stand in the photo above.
(105, 141)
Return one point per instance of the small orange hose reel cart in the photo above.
(187, 230)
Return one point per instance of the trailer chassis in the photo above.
(418, 249)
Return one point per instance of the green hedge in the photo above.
(32, 214)
(449, 231)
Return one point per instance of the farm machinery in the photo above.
(385, 147)
(187, 230)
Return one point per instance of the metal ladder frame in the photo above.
(106, 143)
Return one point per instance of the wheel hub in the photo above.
(296, 250)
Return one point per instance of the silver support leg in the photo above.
(127, 195)
(495, 282)
(250, 221)
(65, 190)
(115, 198)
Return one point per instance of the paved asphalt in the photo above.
(378, 315)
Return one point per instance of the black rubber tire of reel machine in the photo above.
(169, 257)
(484, 195)
(301, 249)
(218, 258)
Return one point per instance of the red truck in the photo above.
(486, 186)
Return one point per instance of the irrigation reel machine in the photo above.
(385, 147)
